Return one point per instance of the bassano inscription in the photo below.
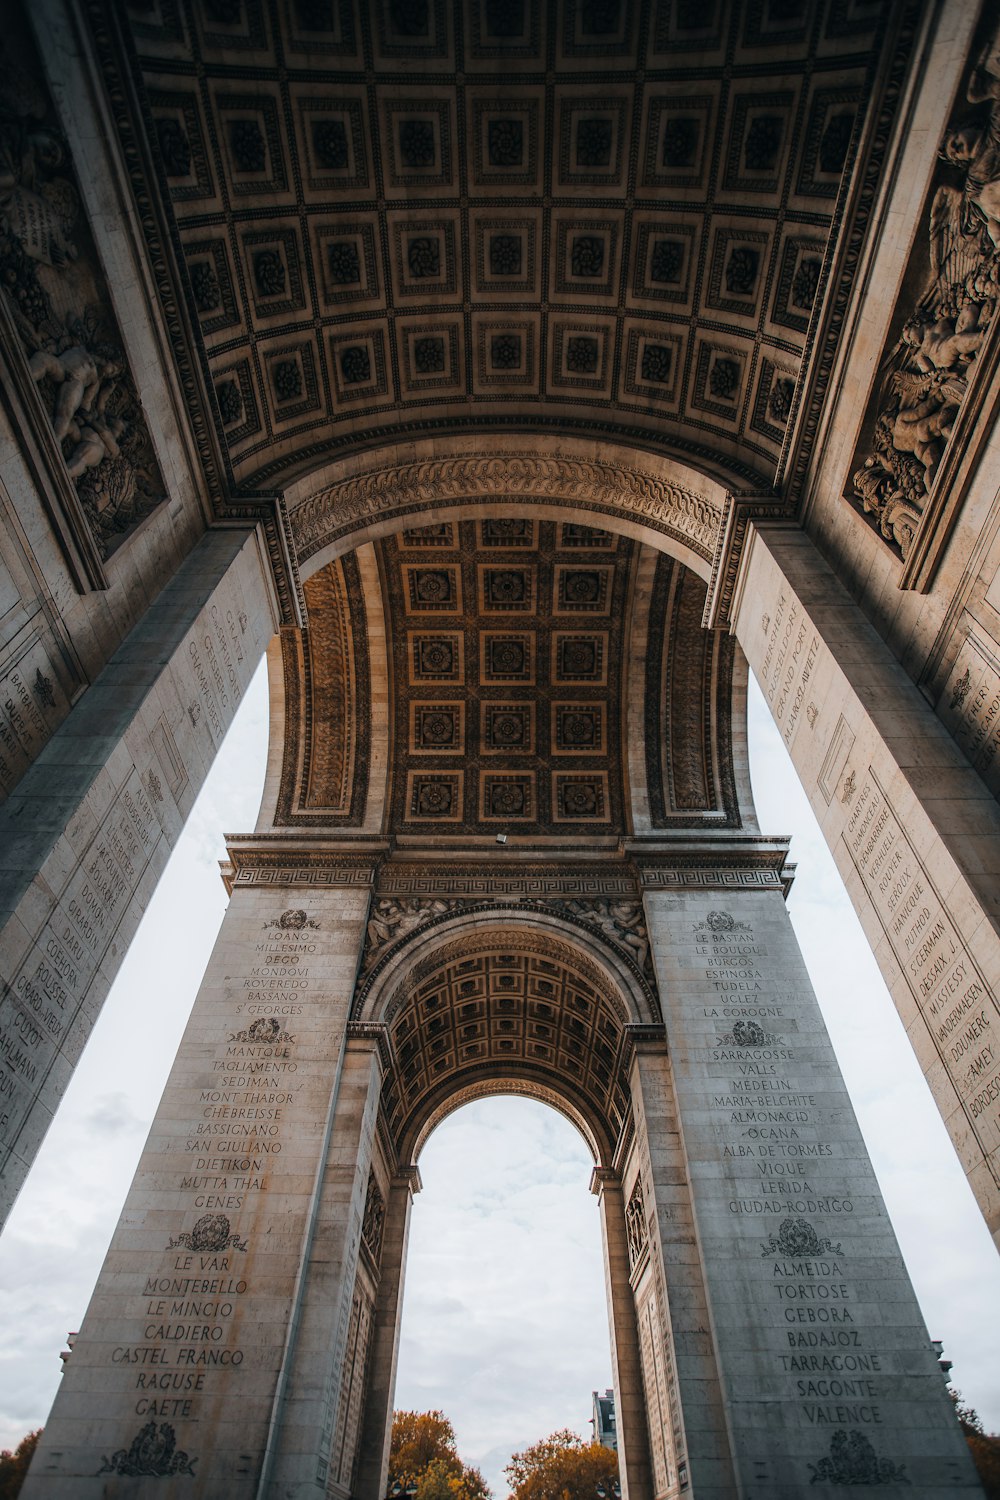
(957, 1003)
(197, 1298)
(787, 1168)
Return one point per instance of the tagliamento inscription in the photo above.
(956, 1001)
(789, 663)
(771, 1126)
(43, 1013)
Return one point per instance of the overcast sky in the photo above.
(504, 1321)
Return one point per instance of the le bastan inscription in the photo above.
(957, 1004)
(770, 1127)
(43, 1002)
(189, 1314)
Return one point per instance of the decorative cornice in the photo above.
(639, 1037)
(606, 489)
(740, 511)
(252, 866)
(371, 1034)
(535, 881)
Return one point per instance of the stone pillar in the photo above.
(681, 1375)
(85, 834)
(914, 830)
(188, 1361)
(826, 1371)
(373, 1452)
(631, 1422)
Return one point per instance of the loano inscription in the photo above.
(956, 1003)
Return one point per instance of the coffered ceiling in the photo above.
(403, 216)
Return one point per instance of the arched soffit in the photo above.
(509, 1088)
(546, 679)
(669, 505)
(404, 217)
(488, 1001)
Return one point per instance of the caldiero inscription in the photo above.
(956, 1001)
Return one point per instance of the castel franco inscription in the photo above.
(194, 1313)
(955, 999)
(786, 1172)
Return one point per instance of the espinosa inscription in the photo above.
(379, 492)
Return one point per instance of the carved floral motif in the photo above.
(797, 1237)
(267, 1029)
(152, 1454)
(853, 1460)
(210, 1235)
(292, 920)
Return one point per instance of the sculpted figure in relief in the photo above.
(928, 372)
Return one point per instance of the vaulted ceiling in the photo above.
(408, 216)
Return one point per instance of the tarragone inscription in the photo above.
(788, 1178)
(953, 995)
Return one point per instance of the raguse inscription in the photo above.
(955, 999)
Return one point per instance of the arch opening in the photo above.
(504, 1322)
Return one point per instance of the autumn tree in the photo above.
(984, 1446)
(562, 1467)
(424, 1461)
(14, 1465)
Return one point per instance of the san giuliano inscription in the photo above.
(778, 1134)
(244, 1101)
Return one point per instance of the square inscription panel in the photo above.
(437, 657)
(507, 728)
(507, 656)
(580, 656)
(507, 796)
(437, 728)
(578, 728)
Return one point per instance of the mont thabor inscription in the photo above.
(193, 1303)
(953, 995)
(786, 1168)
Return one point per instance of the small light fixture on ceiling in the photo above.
(501, 838)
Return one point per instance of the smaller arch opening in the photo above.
(504, 1323)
